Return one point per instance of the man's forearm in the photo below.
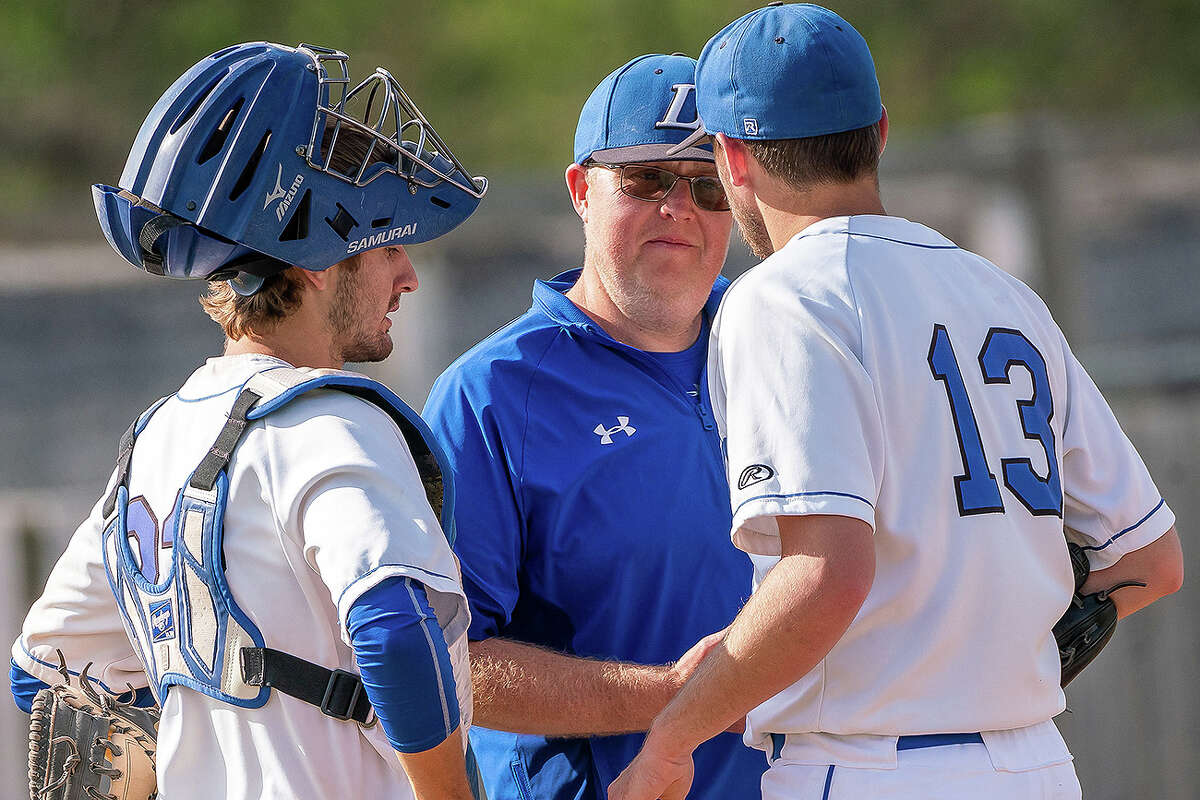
(439, 773)
(528, 689)
(796, 616)
(1159, 565)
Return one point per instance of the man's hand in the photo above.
(693, 658)
(689, 661)
(654, 774)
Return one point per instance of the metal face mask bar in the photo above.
(402, 140)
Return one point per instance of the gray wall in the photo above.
(1103, 219)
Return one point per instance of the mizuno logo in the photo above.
(606, 434)
(383, 237)
(755, 473)
(279, 190)
(285, 197)
(671, 118)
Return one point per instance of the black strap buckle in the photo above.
(326, 704)
(324, 688)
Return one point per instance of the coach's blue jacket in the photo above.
(593, 518)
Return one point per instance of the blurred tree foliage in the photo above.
(503, 80)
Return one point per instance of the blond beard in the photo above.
(354, 345)
(752, 228)
(750, 224)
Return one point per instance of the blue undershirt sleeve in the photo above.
(404, 664)
(24, 687)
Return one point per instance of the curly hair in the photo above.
(240, 315)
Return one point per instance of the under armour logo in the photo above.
(606, 434)
(279, 190)
(750, 124)
(671, 119)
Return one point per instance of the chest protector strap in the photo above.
(188, 628)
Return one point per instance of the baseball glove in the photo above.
(1088, 623)
(87, 745)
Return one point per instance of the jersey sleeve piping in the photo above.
(763, 538)
(1134, 526)
(455, 625)
(54, 667)
(803, 494)
(434, 585)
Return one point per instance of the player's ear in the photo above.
(736, 157)
(577, 185)
(316, 280)
(883, 130)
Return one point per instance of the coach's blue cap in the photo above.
(640, 112)
(787, 72)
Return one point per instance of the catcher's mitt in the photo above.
(1088, 623)
(87, 745)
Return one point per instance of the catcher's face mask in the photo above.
(401, 140)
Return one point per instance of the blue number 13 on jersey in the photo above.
(976, 489)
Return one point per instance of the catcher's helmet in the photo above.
(262, 156)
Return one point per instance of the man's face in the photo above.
(657, 259)
(368, 288)
(745, 210)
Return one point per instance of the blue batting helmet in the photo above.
(262, 156)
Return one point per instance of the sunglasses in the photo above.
(652, 183)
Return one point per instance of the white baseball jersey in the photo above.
(324, 503)
(872, 369)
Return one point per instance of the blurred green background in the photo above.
(78, 76)
(1058, 138)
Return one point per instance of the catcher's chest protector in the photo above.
(188, 628)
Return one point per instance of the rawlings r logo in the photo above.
(671, 118)
(755, 473)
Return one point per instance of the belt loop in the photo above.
(777, 741)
